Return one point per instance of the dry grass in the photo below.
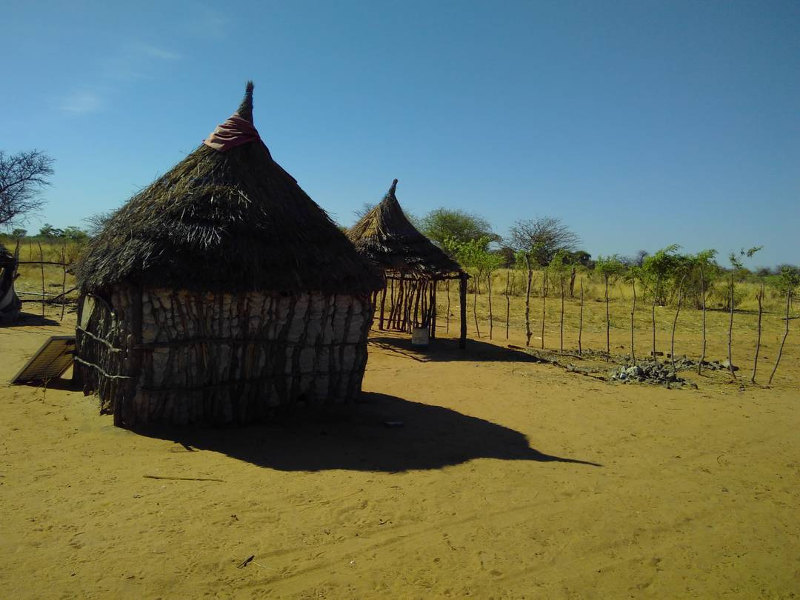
(688, 334)
(29, 281)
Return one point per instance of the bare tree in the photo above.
(542, 238)
(22, 177)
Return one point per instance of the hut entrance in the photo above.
(408, 302)
(412, 304)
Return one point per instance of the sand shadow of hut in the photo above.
(448, 350)
(412, 266)
(384, 433)
(222, 293)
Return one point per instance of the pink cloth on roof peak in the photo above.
(233, 132)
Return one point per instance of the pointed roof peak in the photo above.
(245, 109)
(238, 129)
(394, 187)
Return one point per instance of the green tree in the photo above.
(579, 257)
(443, 224)
(50, 232)
(75, 234)
(475, 256)
(657, 271)
(704, 269)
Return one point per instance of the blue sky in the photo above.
(639, 124)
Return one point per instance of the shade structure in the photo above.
(412, 266)
(222, 293)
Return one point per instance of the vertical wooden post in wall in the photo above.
(126, 414)
(462, 296)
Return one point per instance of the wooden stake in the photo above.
(703, 301)
(475, 304)
(462, 293)
(730, 334)
(447, 313)
(64, 280)
(41, 258)
(633, 314)
(580, 323)
(785, 335)
(675, 323)
(760, 298)
(433, 310)
(528, 332)
(489, 291)
(608, 323)
(544, 302)
(655, 294)
(508, 299)
(561, 324)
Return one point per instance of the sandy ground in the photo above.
(495, 477)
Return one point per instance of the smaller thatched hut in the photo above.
(412, 267)
(10, 304)
(221, 293)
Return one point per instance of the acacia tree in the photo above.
(536, 241)
(541, 238)
(22, 178)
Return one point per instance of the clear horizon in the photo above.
(638, 124)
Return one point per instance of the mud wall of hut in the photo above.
(181, 357)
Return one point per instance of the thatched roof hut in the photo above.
(409, 259)
(221, 292)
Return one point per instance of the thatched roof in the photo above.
(388, 239)
(226, 220)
